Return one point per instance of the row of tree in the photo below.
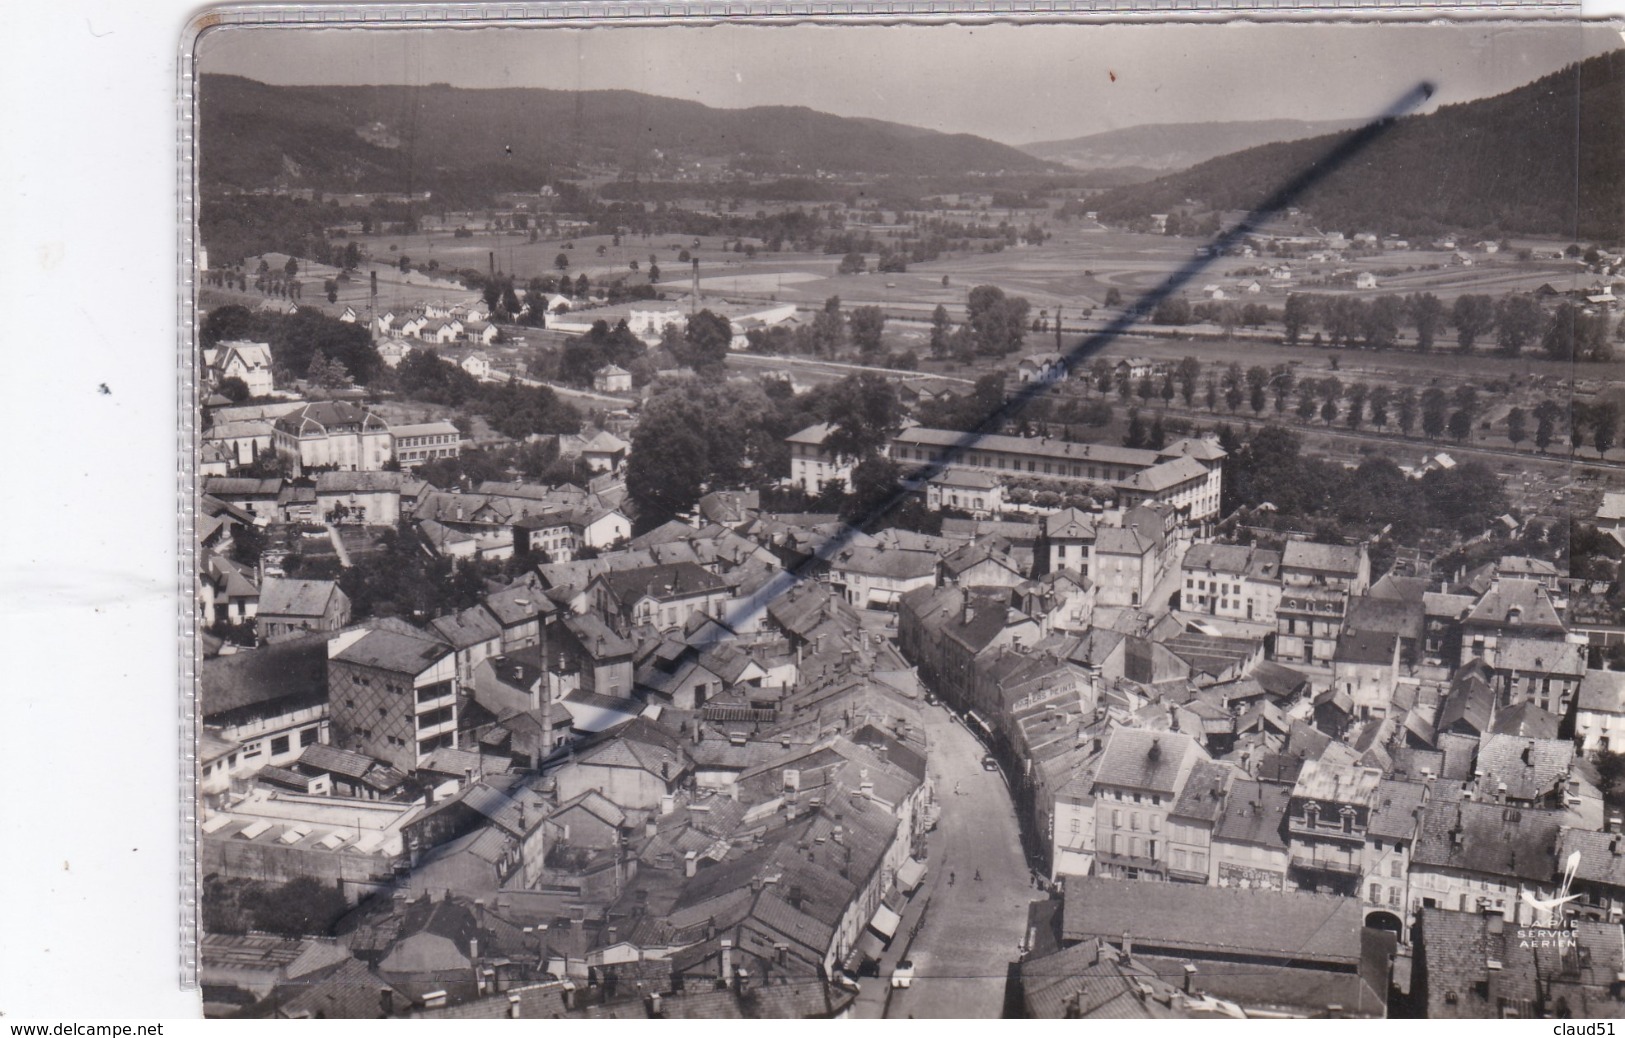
(1511, 323)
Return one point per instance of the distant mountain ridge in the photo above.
(1167, 147)
(253, 134)
(1545, 158)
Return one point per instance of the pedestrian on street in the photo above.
(978, 875)
(950, 878)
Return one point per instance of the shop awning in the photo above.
(885, 922)
(909, 876)
(870, 947)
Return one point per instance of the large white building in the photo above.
(1186, 474)
(415, 444)
(812, 463)
(333, 434)
(249, 361)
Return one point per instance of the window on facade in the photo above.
(1198, 861)
(252, 750)
(1077, 825)
(1376, 893)
(1395, 869)
(279, 745)
(1117, 818)
(1134, 820)
(1393, 897)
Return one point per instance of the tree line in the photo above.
(1507, 324)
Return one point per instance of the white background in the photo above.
(88, 520)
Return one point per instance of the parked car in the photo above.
(903, 975)
(989, 764)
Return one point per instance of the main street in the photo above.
(972, 929)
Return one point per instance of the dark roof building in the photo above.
(1297, 954)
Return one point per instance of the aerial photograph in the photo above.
(987, 521)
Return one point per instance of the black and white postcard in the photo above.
(985, 520)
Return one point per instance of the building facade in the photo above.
(332, 434)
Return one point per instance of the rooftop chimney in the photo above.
(1190, 976)
(1126, 949)
(690, 864)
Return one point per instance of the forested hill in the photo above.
(1168, 147)
(397, 137)
(1502, 165)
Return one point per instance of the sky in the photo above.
(1011, 83)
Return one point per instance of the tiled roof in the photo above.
(331, 759)
(663, 583)
(1526, 655)
(1526, 721)
(1255, 814)
(1367, 647)
(1602, 692)
(1152, 761)
(1337, 783)
(1117, 540)
(1403, 617)
(1321, 558)
(1526, 600)
(962, 476)
(1393, 815)
(1203, 796)
(1069, 524)
(396, 651)
(349, 991)
(1233, 560)
(1602, 855)
(1088, 981)
(1037, 447)
(1226, 921)
(1168, 474)
(1203, 449)
(467, 628)
(294, 671)
(1489, 839)
(281, 596)
(813, 434)
(892, 565)
(323, 415)
(1531, 768)
(1470, 702)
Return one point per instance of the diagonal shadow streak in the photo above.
(1283, 197)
